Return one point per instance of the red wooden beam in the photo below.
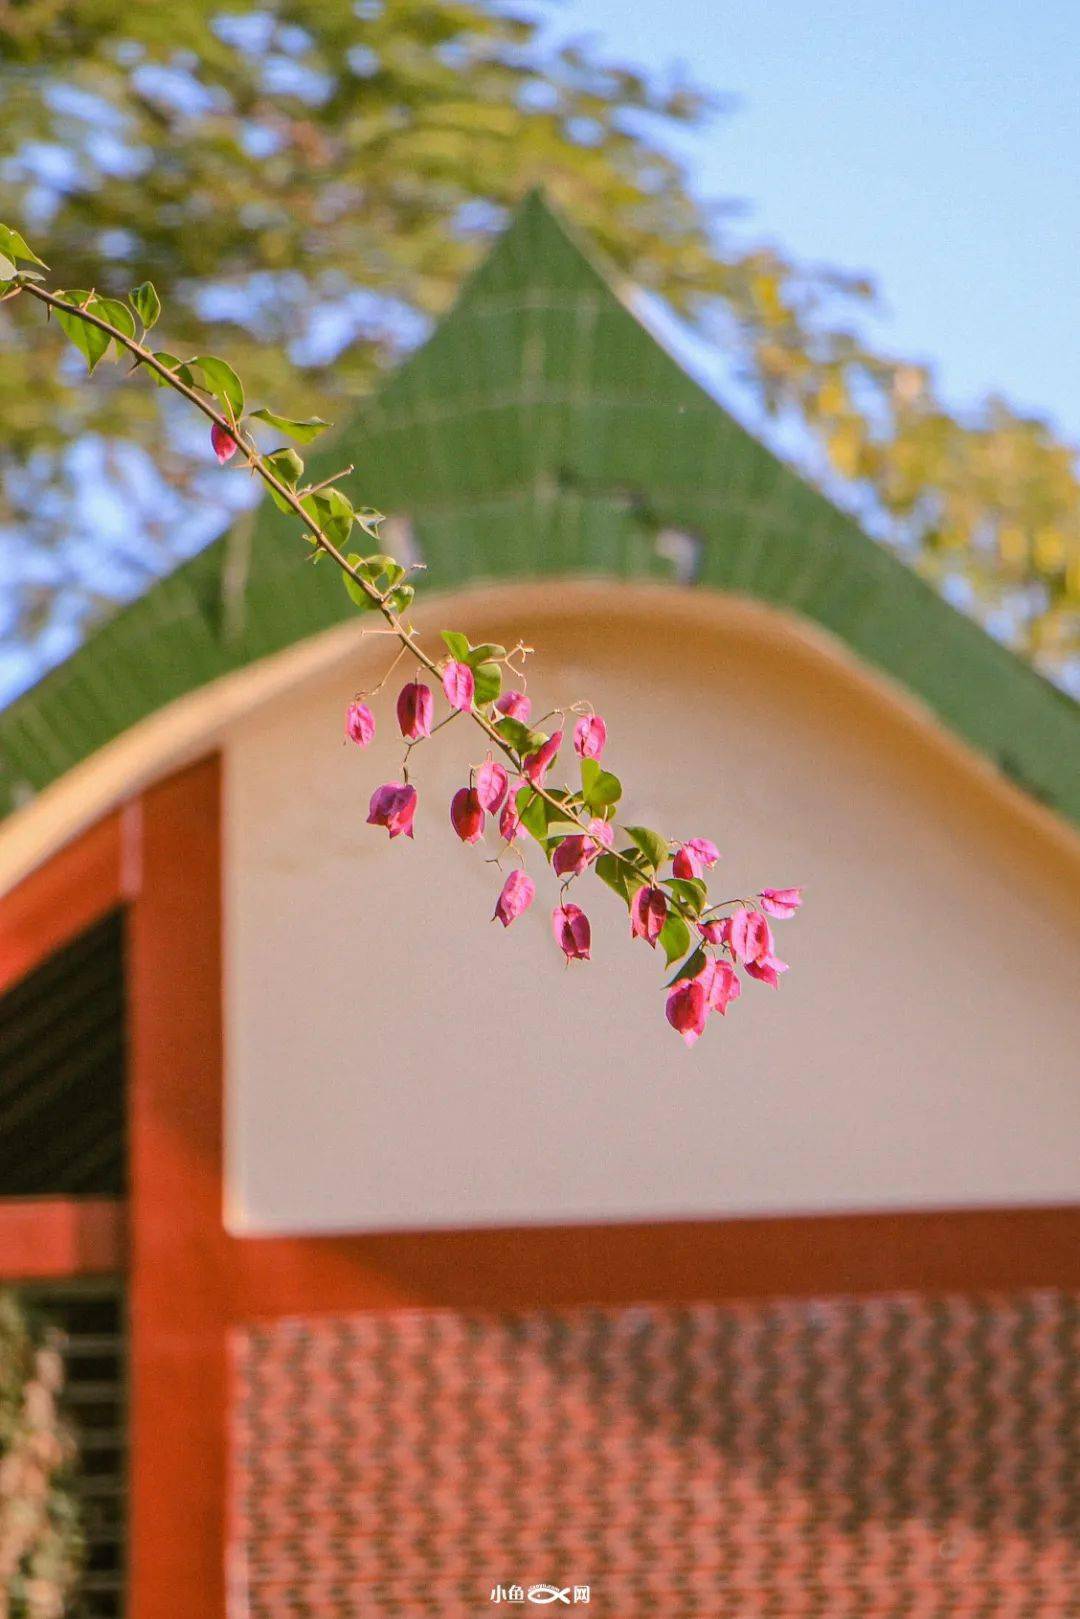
(957, 1250)
(179, 1251)
(53, 1238)
(61, 899)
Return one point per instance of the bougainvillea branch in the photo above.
(664, 885)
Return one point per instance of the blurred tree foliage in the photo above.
(38, 1538)
(306, 180)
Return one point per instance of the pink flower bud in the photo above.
(467, 815)
(359, 723)
(515, 705)
(537, 764)
(781, 902)
(459, 686)
(518, 893)
(693, 857)
(509, 820)
(604, 835)
(573, 934)
(571, 857)
(393, 806)
(492, 783)
(748, 934)
(224, 444)
(415, 710)
(688, 1010)
(590, 735)
(721, 984)
(767, 969)
(648, 913)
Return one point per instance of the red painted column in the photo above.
(179, 1253)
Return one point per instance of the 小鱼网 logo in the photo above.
(542, 1595)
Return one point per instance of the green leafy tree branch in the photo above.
(662, 884)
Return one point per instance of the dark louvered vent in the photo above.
(62, 1071)
(91, 1319)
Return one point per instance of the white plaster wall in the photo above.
(396, 1060)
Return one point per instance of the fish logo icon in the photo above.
(543, 1594)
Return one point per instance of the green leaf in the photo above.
(333, 513)
(690, 890)
(374, 567)
(533, 813)
(600, 787)
(651, 844)
(7, 268)
(456, 644)
(542, 820)
(219, 378)
(519, 736)
(618, 876)
(690, 967)
(369, 520)
(90, 341)
(359, 595)
(146, 303)
(302, 432)
(487, 679)
(674, 937)
(13, 246)
(171, 363)
(486, 653)
(401, 598)
(116, 313)
(286, 465)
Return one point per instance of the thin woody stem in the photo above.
(257, 463)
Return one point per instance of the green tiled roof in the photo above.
(543, 431)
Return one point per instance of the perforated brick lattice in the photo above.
(895, 1456)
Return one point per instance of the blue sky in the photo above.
(934, 144)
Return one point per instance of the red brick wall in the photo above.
(888, 1456)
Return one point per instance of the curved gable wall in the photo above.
(920, 1053)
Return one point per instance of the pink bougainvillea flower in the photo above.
(688, 1009)
(393, 806)
(518, 893)
(721, 984)
(415, 710)
(359, 723)
(224, 443)
(576, 852)
(692, 858)
(537, 764)
(767, 969)
(459, 685)
(648, 913)
(573, 934)
(515, 705)
(781, 902)
(492, 783)
(570, 857)
(509, 820)
(590, 735)
(711, 932)
(748, 934)
(602, 836)
(467, 815)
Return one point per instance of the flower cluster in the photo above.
(663, 885)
